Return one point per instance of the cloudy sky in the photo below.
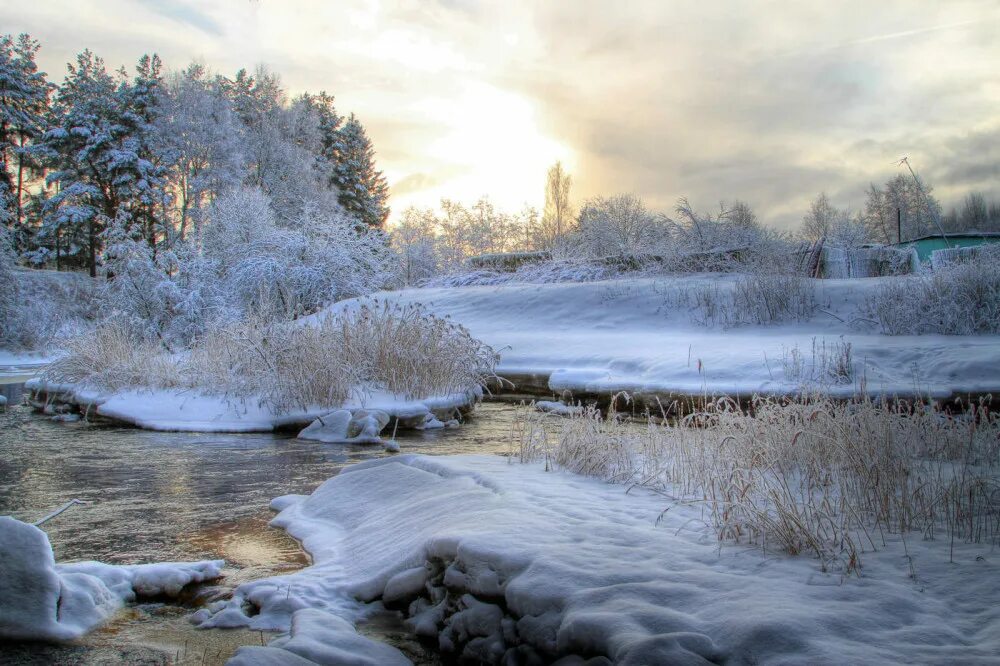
(769, 102)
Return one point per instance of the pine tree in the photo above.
(24, 100)
(99, 150)
(363, 191)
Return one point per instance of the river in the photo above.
(154, 496)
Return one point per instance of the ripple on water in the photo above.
(184, 496)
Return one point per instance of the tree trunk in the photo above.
(92, 229)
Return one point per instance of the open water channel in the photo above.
(155, 496)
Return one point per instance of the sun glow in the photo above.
(493, 147)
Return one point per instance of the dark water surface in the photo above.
(154, 496)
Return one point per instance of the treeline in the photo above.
(105, 154)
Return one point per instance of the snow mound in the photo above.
(342, 426)
(40, 600)
(509, 563)
(320, 638)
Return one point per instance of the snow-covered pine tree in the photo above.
(362, 190)
(98, 148)
(24, 101)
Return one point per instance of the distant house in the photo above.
(926, 245)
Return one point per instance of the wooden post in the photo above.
(899, 224)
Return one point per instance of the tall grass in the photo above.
(113, 357)
(402, 350)
(757, 298)
(831, 479)
(958, 299)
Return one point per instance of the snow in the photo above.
(19, 363)
(194, 411)
(494, 559)
(557, 407)
(633, 335)
(45, 601)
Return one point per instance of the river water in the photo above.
(153, 496)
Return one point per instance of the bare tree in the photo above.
(820, 220)
(557, 216)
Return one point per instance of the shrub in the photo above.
(958, 299)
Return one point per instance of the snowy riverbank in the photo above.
(193, 411)
(43, 600)
(644, 335)
(493, 558)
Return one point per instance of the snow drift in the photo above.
(40, 600)
(510, 563)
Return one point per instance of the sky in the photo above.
(766, 102)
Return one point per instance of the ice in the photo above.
(40, 600)
(498, 560)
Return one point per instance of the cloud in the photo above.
(765, 101)
(185, 14)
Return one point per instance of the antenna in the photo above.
(927, 202)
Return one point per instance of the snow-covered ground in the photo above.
(495, 558)
(638, 335)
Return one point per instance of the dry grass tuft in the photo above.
(827, 478)
(402, 350)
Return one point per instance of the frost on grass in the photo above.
(957, 299)
(819, 477)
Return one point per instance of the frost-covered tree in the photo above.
(198, 136)
(415, 238)
(917, 211)
(24, 100)
(740, 214)
(618, 225)
(99, 152)
(822, 217)
(363, 191)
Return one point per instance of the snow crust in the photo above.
(40, 600)
(193, 411)
(633, 335)
(502, 561)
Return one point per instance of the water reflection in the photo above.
(183, 496)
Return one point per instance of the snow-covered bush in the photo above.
(8, 287)
(813, 476)
(960, 299)
(38, 306)
(249, 265)
(318, 258)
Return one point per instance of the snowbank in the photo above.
(640, 336)
(193, 411)
(498, 560)
(40, 600)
